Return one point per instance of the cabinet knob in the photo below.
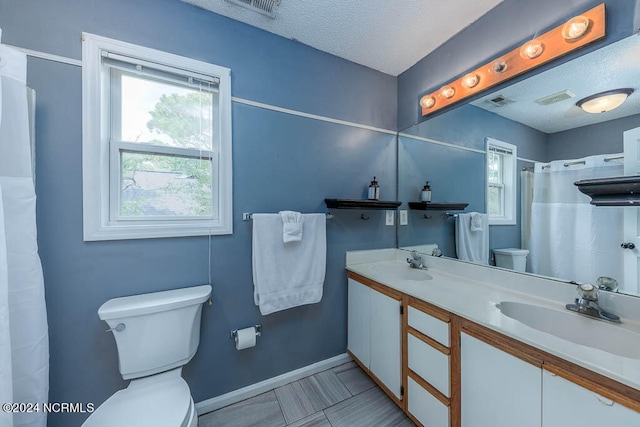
(629, 245)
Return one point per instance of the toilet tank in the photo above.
(155, 332)
(511, 258)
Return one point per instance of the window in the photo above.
(501, 182)
(156, 143)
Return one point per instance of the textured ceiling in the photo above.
(612, 67)
(388, 36)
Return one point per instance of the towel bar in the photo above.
(249, 216)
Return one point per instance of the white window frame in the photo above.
(97, 181)
(509, 182)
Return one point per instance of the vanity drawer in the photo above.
(425, 407)
(429, 325)
(430, 364)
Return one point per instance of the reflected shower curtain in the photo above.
(526, 200)
(570, 238)
(24, 342)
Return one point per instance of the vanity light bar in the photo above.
(575, 33)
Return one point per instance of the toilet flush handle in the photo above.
(118, 328)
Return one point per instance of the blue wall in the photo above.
(458, 175)
(601, 138)
(280, 161)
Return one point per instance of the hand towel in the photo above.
(290, 274)
(472, 246)
(291, 226)
(476, 222)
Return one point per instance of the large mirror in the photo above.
(557, 143)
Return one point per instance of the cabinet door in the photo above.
(385, 341)
(498, 390)
(358, 323)
(567, 404)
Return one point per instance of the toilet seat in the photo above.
(163, 400)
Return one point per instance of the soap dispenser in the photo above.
(425, 194)
(374, 190)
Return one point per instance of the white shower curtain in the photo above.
(570, 238)
(526, 200)
(24, 342)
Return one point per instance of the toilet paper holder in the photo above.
(258, 329)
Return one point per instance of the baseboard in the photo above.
(252, 390)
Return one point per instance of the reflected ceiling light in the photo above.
(427, 101)
(470, 80)
(531, 49)
(604, 101)
(448, 92)
(575, 28)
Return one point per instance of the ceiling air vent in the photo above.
(500, 101)
(556, 97)
(265, 7)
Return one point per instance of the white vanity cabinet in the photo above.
(445, 370)
(565, 403)
(359, 321)
(428, 364)
(374, 333)
(498, 389)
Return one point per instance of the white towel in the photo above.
(472, 245)
(291, 274)
(291, 226)
(476, 222)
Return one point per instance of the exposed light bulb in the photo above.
(498, 67)
(427, 101)
(448, 92)
(531, 49)
(470, 80)
(575, 27)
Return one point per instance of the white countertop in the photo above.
(472, 291)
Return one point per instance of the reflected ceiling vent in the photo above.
(556, 97)
(500, 101)
(265, 7)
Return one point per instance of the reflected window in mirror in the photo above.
(501, 182)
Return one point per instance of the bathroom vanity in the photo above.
(465, 345)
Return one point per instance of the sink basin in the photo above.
(608, 337)
(400, 271)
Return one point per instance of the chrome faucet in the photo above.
(416, 261)
(587, 304)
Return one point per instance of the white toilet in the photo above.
(511, 258)
(156, 334)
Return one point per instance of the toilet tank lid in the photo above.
(511, 251)
(137, 305)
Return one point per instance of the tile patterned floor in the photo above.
(340, 397)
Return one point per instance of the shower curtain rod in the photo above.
(582, 162)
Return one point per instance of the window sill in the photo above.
(502, 221)
(153, 231)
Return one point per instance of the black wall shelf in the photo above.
(614, 191)
(426, 206)
(360, 204)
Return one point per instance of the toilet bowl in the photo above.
(156, 334)
(511, 258)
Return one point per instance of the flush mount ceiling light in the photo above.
(604, 101)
